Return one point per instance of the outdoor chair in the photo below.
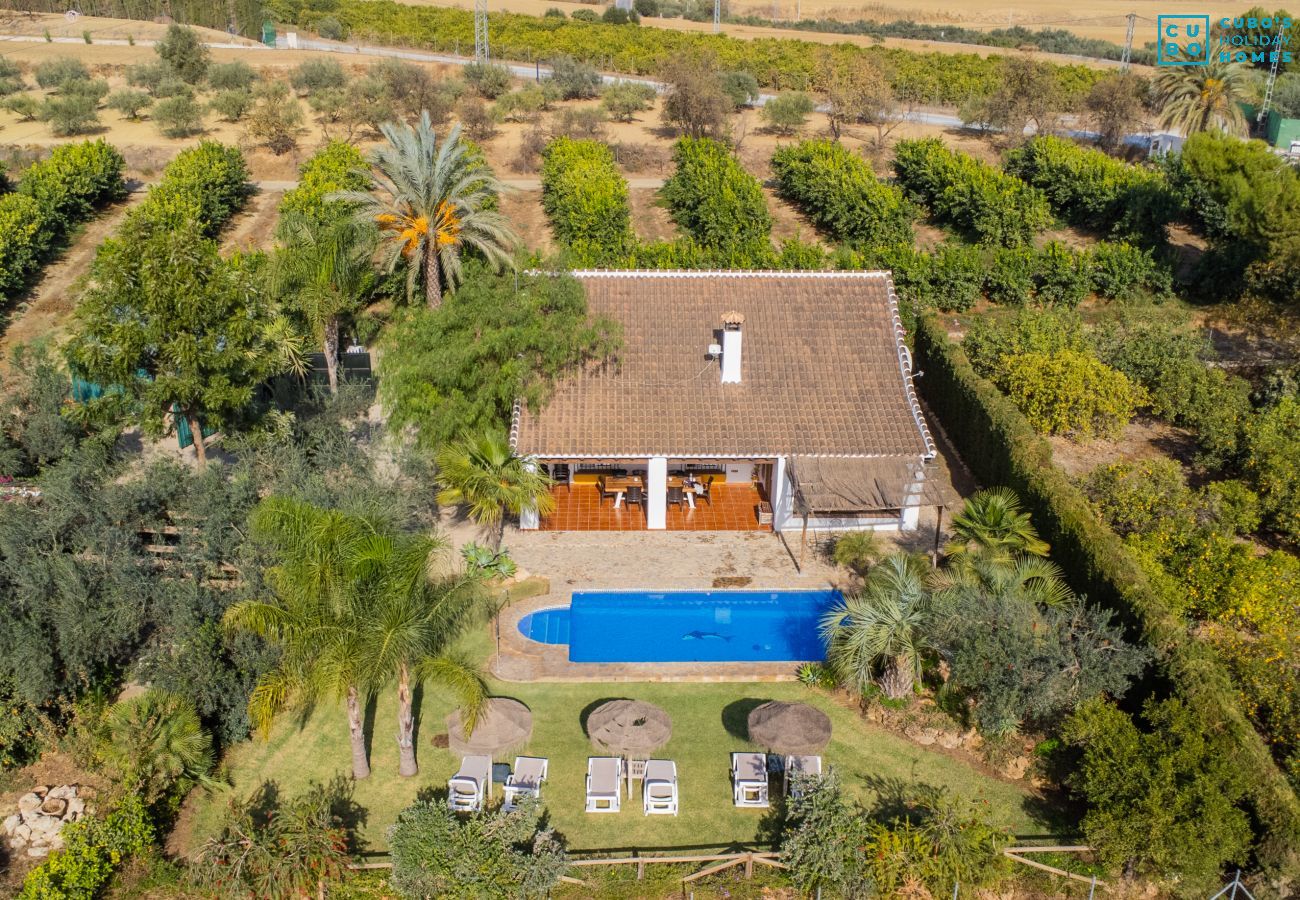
(469, 788)
(676, 495)
(749, 779)
(800, 765)
(704, 492)
(605, 492)
(560, 475)
(659, 790)
(635, 494)
(604, 784)
(526, 779)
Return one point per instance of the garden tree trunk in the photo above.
(405, 725)
(331, 348)
(196, 432)
(357, 734)
(896, 680)
(432, 274)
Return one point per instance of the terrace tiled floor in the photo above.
(579, 508)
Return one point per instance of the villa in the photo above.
(741, 401)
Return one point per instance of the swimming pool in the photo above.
(685, 626)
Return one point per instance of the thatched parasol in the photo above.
(505, 724)
(629, 726)
(794, 728)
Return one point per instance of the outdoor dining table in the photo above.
(618, 487)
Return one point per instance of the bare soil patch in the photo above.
(253, 227)
(1143, 438)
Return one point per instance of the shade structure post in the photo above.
(656, 500)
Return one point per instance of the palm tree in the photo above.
(414, 618)
(1036, 580)
(484, 474)
(324, 272)
(156, 743)
(313, 617)
(880, 635)
(431, 202)
(992, 524)
(1202, 98)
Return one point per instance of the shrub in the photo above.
(1010, 276)
(1062, 277)
(149, 76)
(1122, 271)
(1070, 393)
(129, 103)
(973, 196)
(839, 192)
(479, 122)
(990, 343)
(788, 113)
(22, 240)
(27, 107)
(231, 76)
(232, 105)
(575, 80)
(1232, 505)
(718, 203)
(797, 256)
(584, 122)
(489, 80)
(11, 77)
(740, 87)
(317, 75)
(1141, 497)
(58, 73)
(276, 119)
(184, 53)
(623, 100)
(94, 90)
(956, 277)
(646, 7)
(201, 188)
(178, 117)
(615, 16)
(93, 848)
(695, 102)
(70, 115)
(554, 12)
(330, 28)
(1089, 189)
(338, 166)
(585, 199)
(1271, 443)
(584, 15)
(504, 855)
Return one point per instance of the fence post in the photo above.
(749, 866)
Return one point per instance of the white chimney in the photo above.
(731, 323)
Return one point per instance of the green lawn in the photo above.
(708, 724)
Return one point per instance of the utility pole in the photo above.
(717, 16)
(1272, 78)
(1128, 42)
(480, 31)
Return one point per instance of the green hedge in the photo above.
(719, 204)
(988, 204)
(999, 445)
(338, 166)
(840, 193)
(53, 196)
(201, 188)
(777, 63)
(1089, 189)
(586, 200)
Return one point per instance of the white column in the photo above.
(656, 500)
(911, 517)
(778, 498)
(528, 518)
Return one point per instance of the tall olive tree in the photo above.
(433, 201)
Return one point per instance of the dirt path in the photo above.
(253, 226)
(47, 308)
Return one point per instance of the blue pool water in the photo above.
(685, 626)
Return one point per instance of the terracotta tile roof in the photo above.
(824, 371)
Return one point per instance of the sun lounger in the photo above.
(749, 779)
(526, 779)
(800, 765)
(469, 789)
(604, 783)
(659, 790)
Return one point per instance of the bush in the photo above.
(317, 75)
(1142, 497)
(155, 78)
(623, 100)
(1089, 189)
(646, 7)
(1070, 393)
(276, 119)
(956, 277)
(554, 12)
(797, 256)
(1271, 443)
(11, 77)
(184, 53)
(615, 16)
(58, 73)
(27, 107)
(996, 441)
(232, 105)
(788, 113)
(498, 854)
(338, 166)
(178, 117)
(93, 849)
(1062, 277)
(839, 192)
(1232, 505)
(740, 87)
(584, 122)
(695, 102)
(585, 199)
(718, 203)
(977, 198)
(489, 80)
(1010, 276)
(1124, 272)
(575, 80)
(70, 115)
(330, 28)
(584, 15)
(22, 240)
(231, 76)
(129, 103)
(201, 188)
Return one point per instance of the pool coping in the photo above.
(520, 659)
